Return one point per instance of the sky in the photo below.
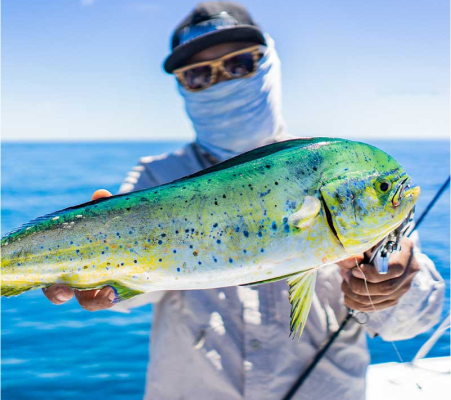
(92, 69)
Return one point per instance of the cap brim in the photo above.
(234, 34)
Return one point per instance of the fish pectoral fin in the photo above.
(308, 211)
(302, 287)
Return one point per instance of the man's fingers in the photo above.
(58, 294)
(397, 265)
(95, 300)
(92, 300)
(367, 290)
(364, 299)
(384, 288)
(98, 194)
(369, 272)
(355, 305)
(375, 299)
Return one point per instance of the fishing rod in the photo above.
(432, 203)
(389, 247)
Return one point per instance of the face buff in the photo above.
(236, 116)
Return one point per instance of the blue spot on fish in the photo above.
(246, 233)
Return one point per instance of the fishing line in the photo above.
(380, 320)
(374, 308)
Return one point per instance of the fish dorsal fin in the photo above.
(309, 210)
(302, 287)
(258, 153)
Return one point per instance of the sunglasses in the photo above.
(239, 64)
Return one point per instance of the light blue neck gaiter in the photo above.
(235, 116)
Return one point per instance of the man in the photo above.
(232, 343)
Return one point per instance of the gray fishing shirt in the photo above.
(233, 343)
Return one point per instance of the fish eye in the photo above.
(383, 186)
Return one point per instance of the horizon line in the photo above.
(182, 140)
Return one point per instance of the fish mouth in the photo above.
(413, 192)
(404, 190)
(329, 218)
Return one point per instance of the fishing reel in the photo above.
(392, 244)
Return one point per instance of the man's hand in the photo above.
(383, 290)
(91, 300)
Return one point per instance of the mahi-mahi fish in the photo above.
(278, 212)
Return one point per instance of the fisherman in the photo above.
(233, 343)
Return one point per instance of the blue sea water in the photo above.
(64, 352)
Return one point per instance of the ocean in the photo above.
(64, 352)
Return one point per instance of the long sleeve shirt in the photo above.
(233, 343)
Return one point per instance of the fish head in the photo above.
(366, 198)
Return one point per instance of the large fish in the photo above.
(277, 212)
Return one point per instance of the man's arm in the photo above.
(408, 299)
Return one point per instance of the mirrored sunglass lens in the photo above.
(239, 65)
(199, 77)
